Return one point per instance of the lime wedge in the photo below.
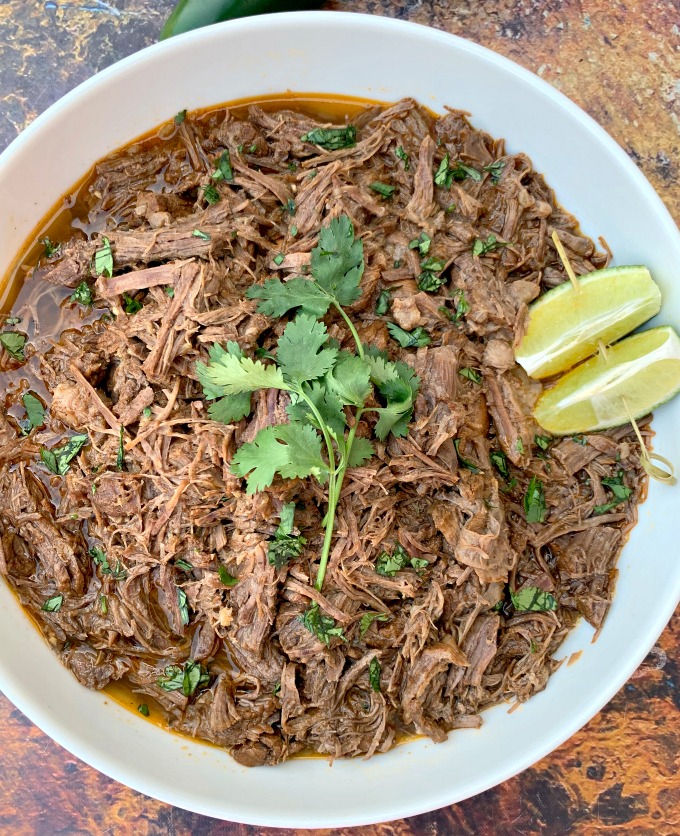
(642, 370)
(567, 324)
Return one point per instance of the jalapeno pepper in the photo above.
(192, 14)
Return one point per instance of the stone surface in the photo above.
(619, 60)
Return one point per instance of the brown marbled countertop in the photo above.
(619, 60)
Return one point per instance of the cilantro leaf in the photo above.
(235, 374)
(285, 546)
(542, 441)
(368, 618)
(304, 452)
(143, 709)
(500, 462)
(374, 671)
(260, 460)
(13, 342)
(298, 352)
(409, 339)
(403, 156)
(350, 379)
(103, 259)
(338, 261)
(322, 626)
(332, 139)
(534, 501)
(362, 450)
(327, 403)
(58, 459)
(291, 450)
(277, 297)
(229, 408)
(533, 599)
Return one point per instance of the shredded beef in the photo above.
(152, 493)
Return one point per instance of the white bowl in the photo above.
(383, 59)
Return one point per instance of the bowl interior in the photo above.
(593, 178)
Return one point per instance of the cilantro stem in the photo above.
(333, 499)
(350, 325)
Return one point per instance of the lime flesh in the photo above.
(567, 324)
(635, 375)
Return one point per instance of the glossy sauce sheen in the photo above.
(45, 313)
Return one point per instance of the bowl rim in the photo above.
(107, 762)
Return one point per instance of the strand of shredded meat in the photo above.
(175, 514)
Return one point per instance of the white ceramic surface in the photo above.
(384, 59)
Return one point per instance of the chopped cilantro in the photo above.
(403, 156)
(103, 259)
(409, 339)
(374, 671)
(53, 604)
(422, 244)
(534, 501)
(58, 459)
(223, 171)
(211, 195)
(468, 465)
(225, 578)
(82, 294)
(285, 546)
(481, 247)
(197, 233)
(13, 342)
(533, 599)
(332, 139)
(383, 189)
(495, 170)
(384, 303)
(187, 678)
(183, 606)
(131, 305)
(322, 626)
(368, 618)
(470, 374)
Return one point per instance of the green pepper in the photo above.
(192, 14)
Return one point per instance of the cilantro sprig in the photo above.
(329, 389)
